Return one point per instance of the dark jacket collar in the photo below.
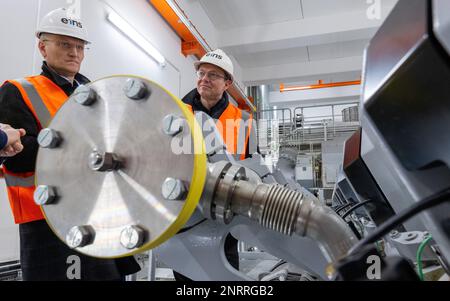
(193, 99)
(61, 81)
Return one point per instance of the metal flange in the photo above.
(114, 160)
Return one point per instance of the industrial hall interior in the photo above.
(225, 140)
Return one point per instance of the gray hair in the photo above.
(44, 36)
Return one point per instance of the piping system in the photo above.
(319, 85)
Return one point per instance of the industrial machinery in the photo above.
(398, 163)
(131, 175)
(125, 167)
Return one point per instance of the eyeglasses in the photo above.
(69, 46)
(212, 76)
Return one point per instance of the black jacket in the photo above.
(15, 112)
(193, 99)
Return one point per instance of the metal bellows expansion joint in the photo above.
(277, 208)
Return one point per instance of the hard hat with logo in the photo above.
(219, 59)
(60, 21)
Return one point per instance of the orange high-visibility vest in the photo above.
(235, 145)
(43, 97)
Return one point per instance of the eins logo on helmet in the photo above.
(214, 55)
(72, 22)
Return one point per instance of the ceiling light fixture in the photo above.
(136, 37)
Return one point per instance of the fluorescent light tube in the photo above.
(135, 36)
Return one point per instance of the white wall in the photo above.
(111, 53)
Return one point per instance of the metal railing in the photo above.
(300, 130)
(310, 131)
(317, 129)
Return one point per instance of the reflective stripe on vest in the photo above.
(19, 181)
(43, 98)
(42, 114)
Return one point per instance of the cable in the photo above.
(434, 200)
(356, 207)
(190, 227)
(419, 256)
(278, 264)
(342, 207)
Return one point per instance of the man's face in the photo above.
(213, 83)
(63, 54)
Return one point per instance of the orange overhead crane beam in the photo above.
(320, 85)
(190, 45)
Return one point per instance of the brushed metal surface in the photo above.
(111, 201)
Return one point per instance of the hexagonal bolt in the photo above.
(394, 234)
(173, 189)
(44, 195)
(411, 236)
(228, 216)
(80, 236)
(135, 89)
(132, 237)
(49, 138)
(172, 125)
(84, 95)
(102, 161)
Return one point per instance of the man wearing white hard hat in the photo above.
(215, 74)
(30, 103)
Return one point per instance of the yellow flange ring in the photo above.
(198, 177)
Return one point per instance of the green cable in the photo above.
(419, 256)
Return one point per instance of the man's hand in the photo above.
(14, 145)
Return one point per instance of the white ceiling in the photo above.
(280, 41)
(301, 54)
(241, 13)
(260, 12)
(319, 8)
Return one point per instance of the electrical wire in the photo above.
(356, 207)
(434, 200)
(342, 207)
(278, 264)
(419, 256)
(190, 227)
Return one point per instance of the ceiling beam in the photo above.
(306, 32)
(349, 67)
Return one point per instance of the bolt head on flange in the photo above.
(84, 95)
(49, 138)
(132, 237)
(80, 236)
(172, 125)
(173, 189)
(44, 195)
(135, 89)
(103, 161)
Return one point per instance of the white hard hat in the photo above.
(219, 59)
(61, 22)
